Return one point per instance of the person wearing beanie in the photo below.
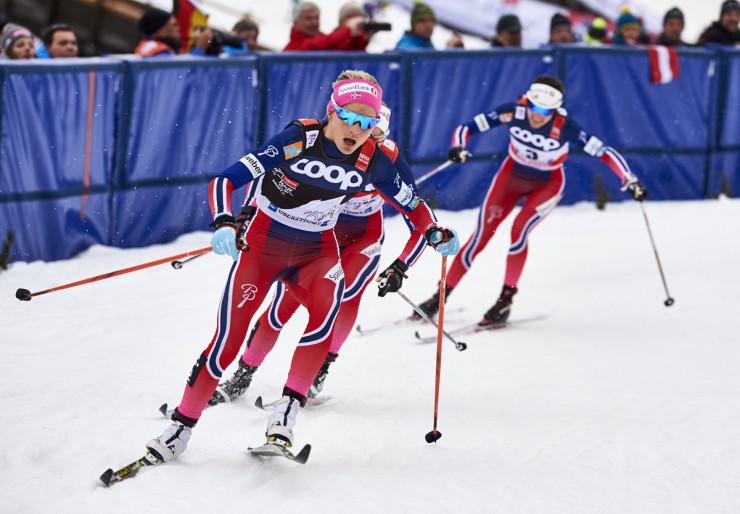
(305, 34)
(508, 32)
(725, 31)
(673, 24)
(161, 35)
(629, 29)
(17, 42)
(419, 37)
(597, 32)
(423, 21)
(561, 30)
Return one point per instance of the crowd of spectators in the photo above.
(160, 33)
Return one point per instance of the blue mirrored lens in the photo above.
(540, 110)
(351, 117)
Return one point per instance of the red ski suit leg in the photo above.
(360, 240)
(308, 259)
(505, 191)
(539, 203)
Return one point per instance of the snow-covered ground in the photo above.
(598, 398)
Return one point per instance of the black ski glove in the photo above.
(391, 279)
(242, 221)
(457, 154)
(638, 191)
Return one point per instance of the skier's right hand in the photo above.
(638, 191)
(458, 154)
(223, 239)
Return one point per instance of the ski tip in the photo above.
(302, 456)
(258, 403)
(358, 328)
(433, 436)
(105, 477)
(163, 410)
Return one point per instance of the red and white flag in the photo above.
(663, 63)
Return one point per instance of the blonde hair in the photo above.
(355, 74)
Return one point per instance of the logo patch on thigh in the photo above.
(335, 274)
(249, 292)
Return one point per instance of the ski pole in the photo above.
(434, 435)
(459, 345)
(431, 173)
(26, 295)
(179, 264)
(669, 299)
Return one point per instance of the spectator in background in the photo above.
(561, 30)
(628, 30)
(305, 34)
(597, 33)
(17, 42)
(725, 31)
(423, 21)
(673, 24)
(508, 32)
(60, 41)
(248, 30)
(161, 35)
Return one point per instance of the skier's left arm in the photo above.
(391, 278)
(402, 197)
(595, 147)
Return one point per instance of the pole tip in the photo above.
(669, 301)
(433, 436)
(23, 295)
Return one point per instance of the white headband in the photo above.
(545, 96)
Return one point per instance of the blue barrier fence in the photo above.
(118, 151)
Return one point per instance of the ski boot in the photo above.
(499, 313)
(431, 306)
(234, 387)
(174, 440)
(282, 420)
(318, 382)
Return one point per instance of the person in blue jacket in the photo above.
(419, 37)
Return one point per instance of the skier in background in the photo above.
(310, 170)
(540, 132)
(360, 236)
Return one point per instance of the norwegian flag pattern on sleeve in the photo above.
(219, 196)
(481, 123)
(616, 162)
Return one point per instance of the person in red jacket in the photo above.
(305, 34)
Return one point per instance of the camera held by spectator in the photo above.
(219, 40)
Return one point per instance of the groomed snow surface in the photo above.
(597, 399)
